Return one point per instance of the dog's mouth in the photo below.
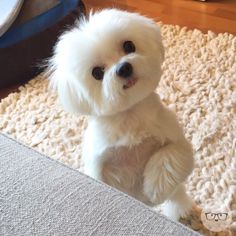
(130, 83)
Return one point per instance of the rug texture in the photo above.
(198, 83)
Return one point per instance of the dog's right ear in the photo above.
(71, 97)
(69, 92)
(63, 80)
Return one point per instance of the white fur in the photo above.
(132, 141)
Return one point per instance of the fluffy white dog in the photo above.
(108, 68)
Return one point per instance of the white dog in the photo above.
(108, 68)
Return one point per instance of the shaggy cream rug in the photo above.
(199, 83)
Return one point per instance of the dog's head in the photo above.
(108, 63)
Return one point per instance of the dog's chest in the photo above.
(124, 165)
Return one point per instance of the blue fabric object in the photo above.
(37, 24)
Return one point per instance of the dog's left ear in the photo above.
(159, 40)
(161, 46)
(156, 33)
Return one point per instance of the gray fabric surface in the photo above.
(39, 196)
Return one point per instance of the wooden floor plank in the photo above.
(226, 14)
(216, 15)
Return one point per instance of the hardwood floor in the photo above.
(216, 15)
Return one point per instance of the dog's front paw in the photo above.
(165, 170)
(177, 209)
(178, 205)
(156, 189)
(158, 180)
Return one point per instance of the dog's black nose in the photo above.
(124, 70)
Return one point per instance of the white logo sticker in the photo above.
(216, 221)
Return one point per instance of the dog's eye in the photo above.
(128, 47)
(98, 73)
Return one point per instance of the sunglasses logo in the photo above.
(216, 216)
(216, 221)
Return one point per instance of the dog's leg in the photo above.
(93, 152)
(93, 167)
(94, 160)
(166, 170)
(178, 205)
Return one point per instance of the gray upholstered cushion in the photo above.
(39, 196)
